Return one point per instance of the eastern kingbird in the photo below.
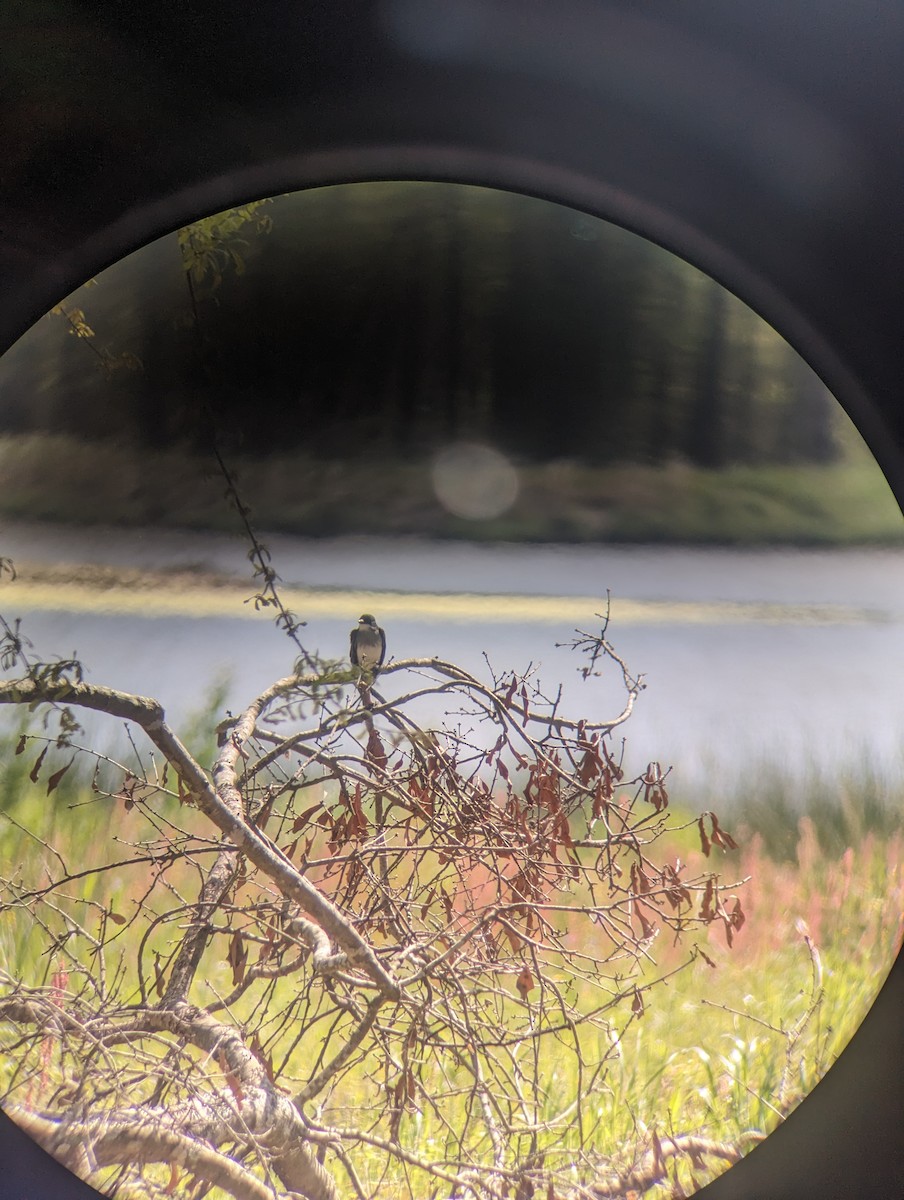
(367, 645)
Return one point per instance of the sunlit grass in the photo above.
(721, 1051)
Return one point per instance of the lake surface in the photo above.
(781, 657)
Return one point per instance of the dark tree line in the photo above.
(388, 318)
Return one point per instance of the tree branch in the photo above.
(87, 1146)
(149, 714)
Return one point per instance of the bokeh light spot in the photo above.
(474, 481)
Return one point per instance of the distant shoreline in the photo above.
(119, 591)
(58, 478)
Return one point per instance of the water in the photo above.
(727, 689)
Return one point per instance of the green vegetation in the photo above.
(722, 1052)
(329, 343)
(54, 477)
(396, 317)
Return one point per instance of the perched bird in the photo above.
(367, 645)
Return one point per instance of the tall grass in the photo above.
(845, 802)
(723, 1050)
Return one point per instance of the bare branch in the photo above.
(88, 1146)
(414, 919)
(149, 715)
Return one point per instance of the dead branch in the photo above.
(149, 715)
(410, 920)
(652, 1167)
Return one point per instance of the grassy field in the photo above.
(722, 1051)
(59, 478)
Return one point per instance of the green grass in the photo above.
(846, 802)
(61, 478)
(720, 1050)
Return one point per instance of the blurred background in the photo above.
(373, 325)
(490, 419)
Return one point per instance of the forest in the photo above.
(384, 319)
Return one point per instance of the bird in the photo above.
(367, 645)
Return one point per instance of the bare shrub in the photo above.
(352, 954)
